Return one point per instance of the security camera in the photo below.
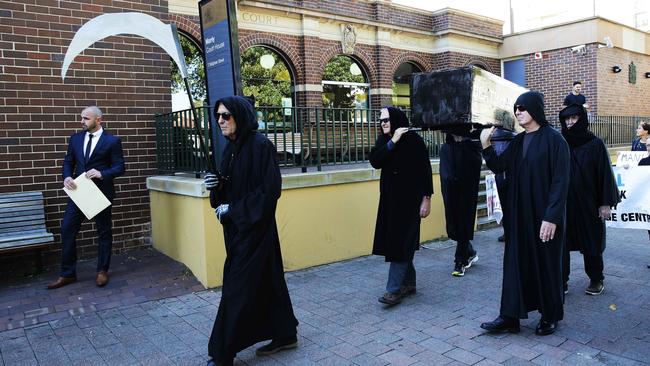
(579, 49)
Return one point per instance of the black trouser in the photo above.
(72, 219)
(464, 250)
(593, 266)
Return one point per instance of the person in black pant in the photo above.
(97, 154)
(592, 194)
(460, 171)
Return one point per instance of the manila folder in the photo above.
(87, 197)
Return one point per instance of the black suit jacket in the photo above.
(107, 157)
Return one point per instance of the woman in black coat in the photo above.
(405, 190)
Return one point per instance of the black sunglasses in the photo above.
(521, 108)
(384, 120)
(225, 115)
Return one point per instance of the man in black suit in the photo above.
(97, 154)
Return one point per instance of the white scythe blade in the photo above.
(114, 24)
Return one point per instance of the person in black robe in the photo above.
(405, 187)
(646, 161)
(537, 164)
(255, 303)
(592, 194)
(460, 171)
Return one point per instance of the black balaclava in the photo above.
(243, 112)
(579, 133)
(397, 119)
(534, 103)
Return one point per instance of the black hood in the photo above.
(534, 103)
(397, 119)
(579, 133)
(243, 112)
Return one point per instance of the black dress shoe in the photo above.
(225, 363)
(545, 328)
(501, 325)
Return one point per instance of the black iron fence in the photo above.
(315, 137)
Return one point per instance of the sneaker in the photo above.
(566, 288)
(391, 299)
(459, 270)
(502, 238)
(277, 345)
(473, 259)
(407, 290)
(595, 288)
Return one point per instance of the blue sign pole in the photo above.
(221, 60)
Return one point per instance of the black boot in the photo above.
(277, 345)
(545, 328)
(502, 324)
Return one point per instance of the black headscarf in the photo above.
(397, 119)
(534, 103)
(243, 112)
(579, 133)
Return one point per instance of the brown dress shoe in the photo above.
(61, 281)
(102, 278)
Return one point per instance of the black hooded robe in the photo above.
(255, 303)
(405, 179)
(537, 191)
(460, 171)
(592, 185)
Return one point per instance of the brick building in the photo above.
(129, 78)
(551, 58)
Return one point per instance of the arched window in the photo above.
(402, 84)
(345, 84)
(267, 77)
(196, 75)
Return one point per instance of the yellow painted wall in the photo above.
(317, 225)
(186, 229)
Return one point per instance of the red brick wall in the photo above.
(446, 60)
(616, 96)
(555, 73)
(452, 20)
(128, 77)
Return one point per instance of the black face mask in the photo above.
(579, 133)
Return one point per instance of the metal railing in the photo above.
(315, 137)
(613, 130)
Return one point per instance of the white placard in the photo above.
(494, 210)
(633, 212)
(630, 158)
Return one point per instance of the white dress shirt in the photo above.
(96, 135)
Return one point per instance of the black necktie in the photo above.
(88, 145)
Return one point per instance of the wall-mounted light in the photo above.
(616, 69)
(647, 75)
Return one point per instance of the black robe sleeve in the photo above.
(609, 194)
(560, 164)
(498, 163)
(261, 201)
(380, 153)
(427, 179)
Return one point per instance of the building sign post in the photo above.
(221, 60)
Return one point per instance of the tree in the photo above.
(267, 85)
(340, 69)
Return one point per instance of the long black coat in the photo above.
(537, 190)
(592, 185)
(255, 303)
(460, 171)
(405, 180)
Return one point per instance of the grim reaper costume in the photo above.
(592, 185)
(538, 173)
(405, 179)
(255, 303)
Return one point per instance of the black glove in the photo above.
(211, 181)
